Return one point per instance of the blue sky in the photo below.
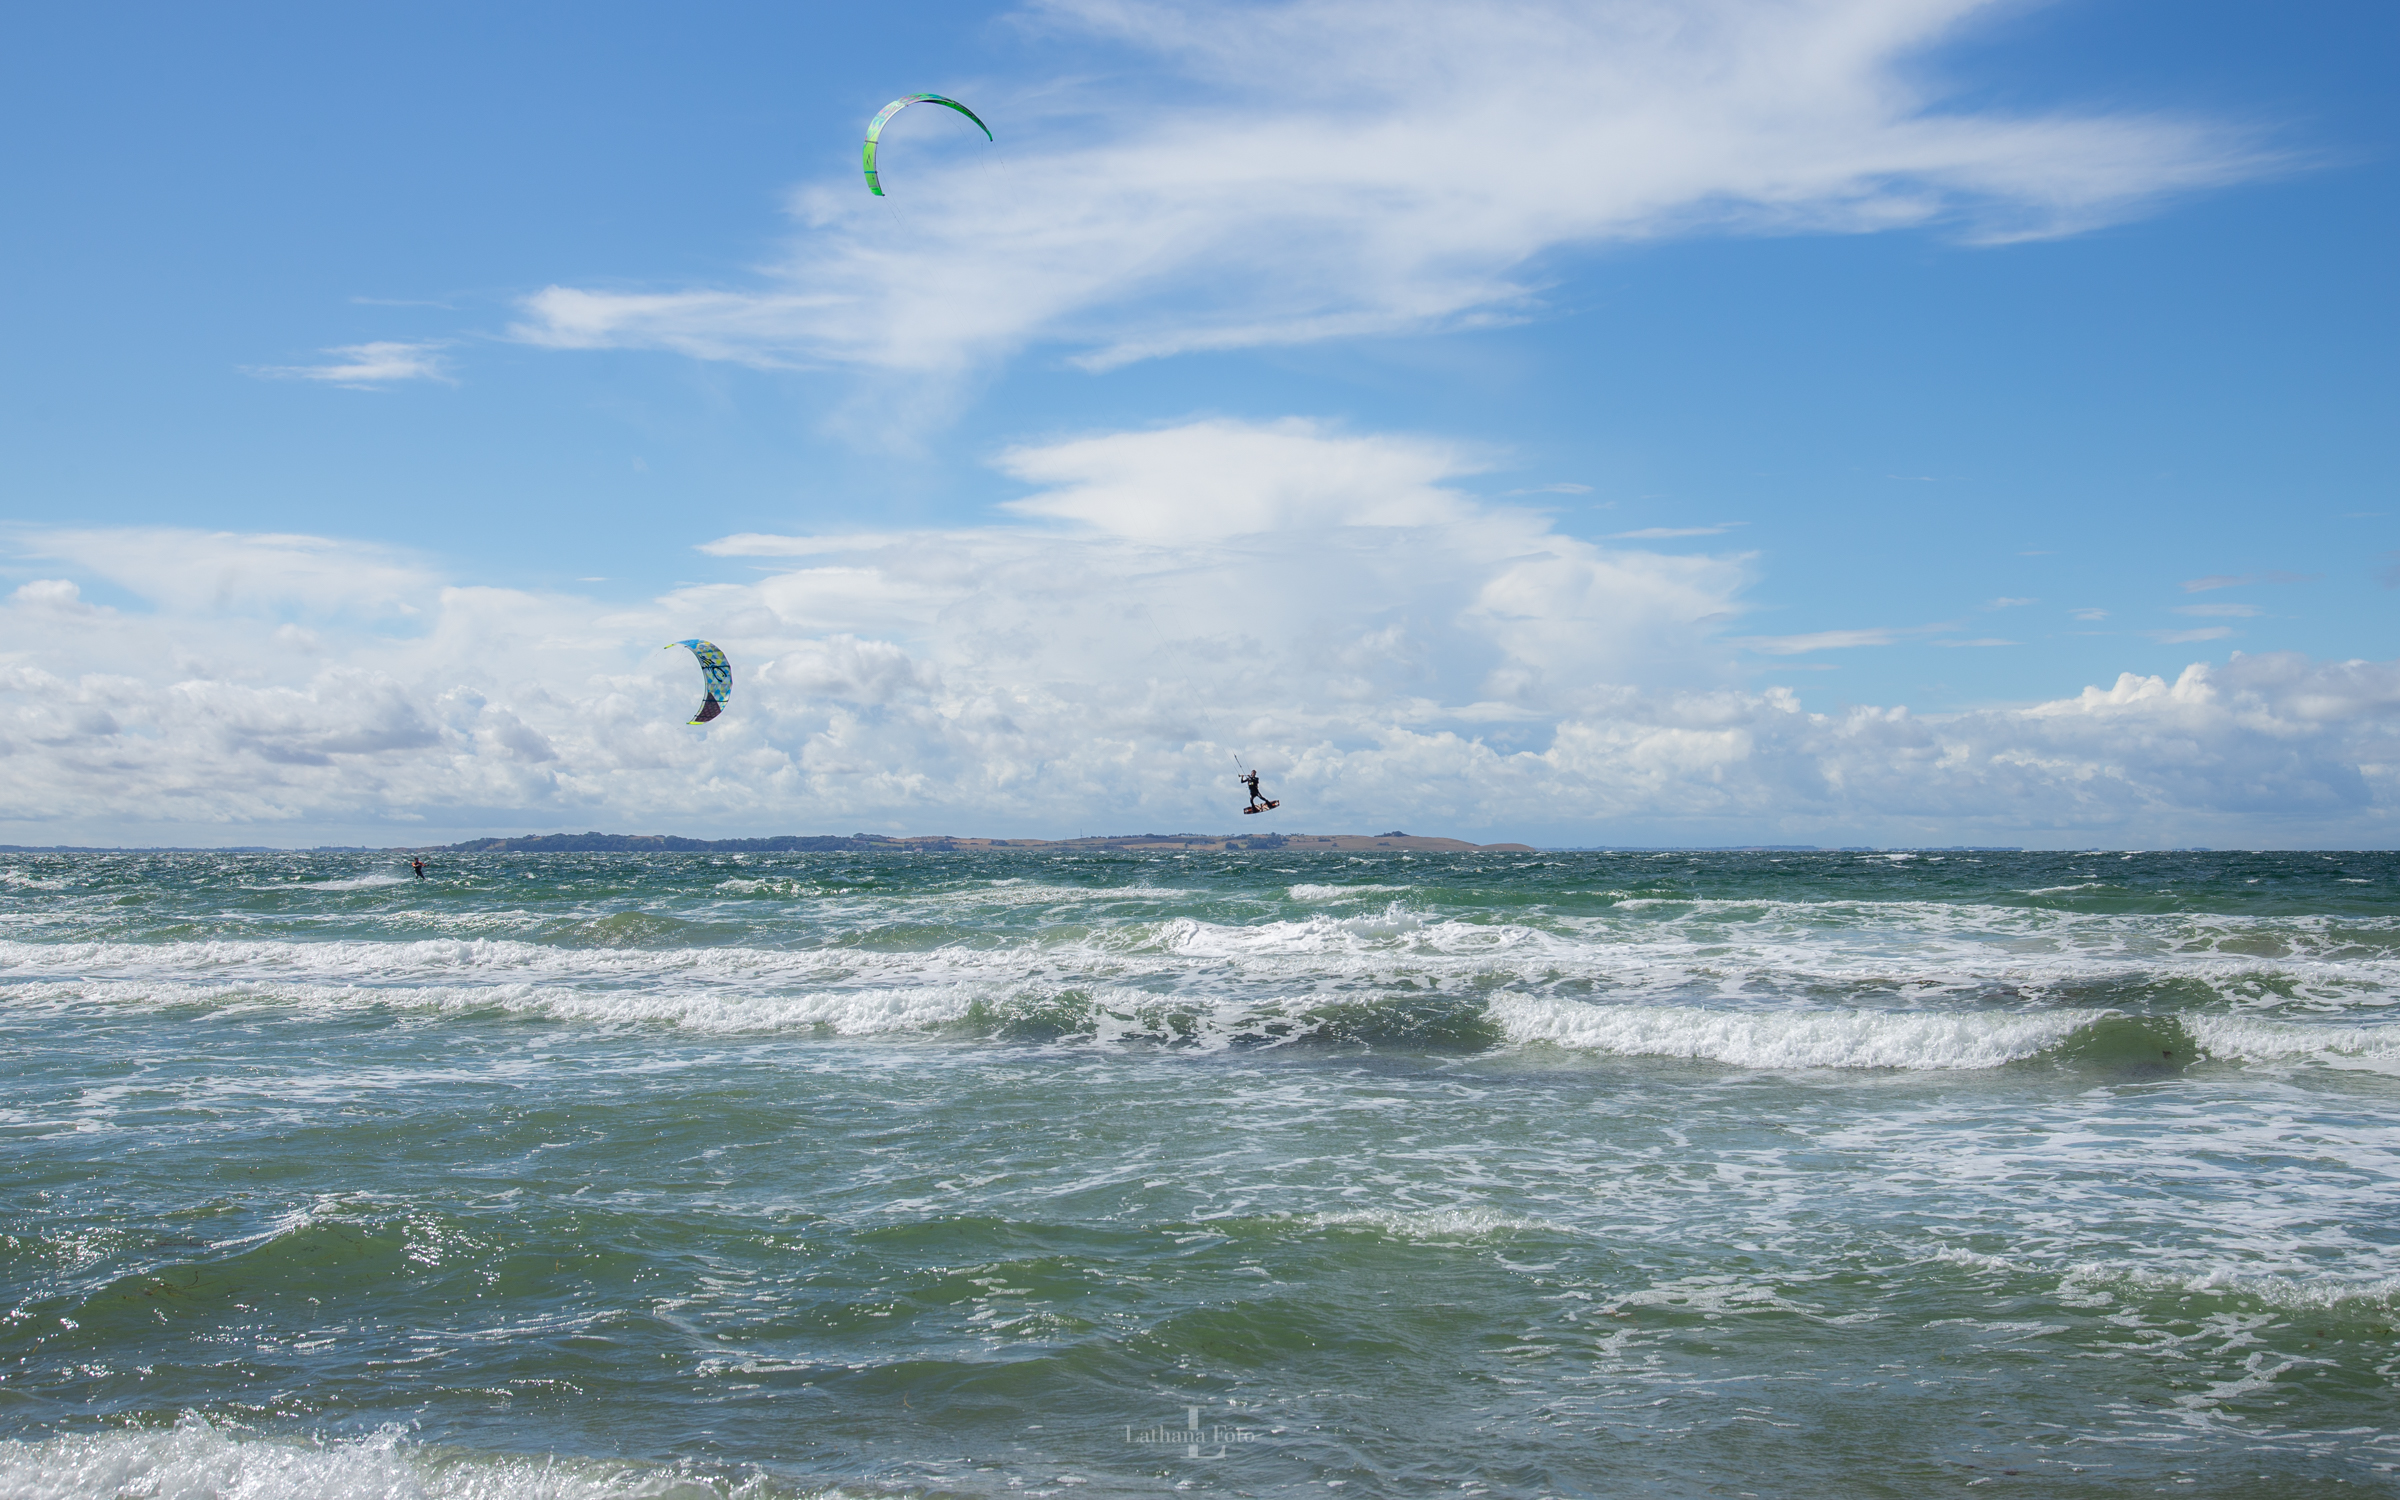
(1827, 340)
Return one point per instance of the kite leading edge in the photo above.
(875, 128)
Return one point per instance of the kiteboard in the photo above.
(1267, 808)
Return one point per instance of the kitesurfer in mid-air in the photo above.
(1258, 798)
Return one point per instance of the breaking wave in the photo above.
(1320, 893)
(195, 1460)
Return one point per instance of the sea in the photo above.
(1081, 1174)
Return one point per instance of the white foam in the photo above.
(740, 886)
(194, 1460)
(1745, 983)
(1810, 1038)
(1435, 1223)
(347, 883)
(2251, 1039)
(1320, 938)
(2294, 1293)
(1341, 892)
(864, 1011)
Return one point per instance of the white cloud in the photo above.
(2007, 603)
(366, 366)
(1817, 640)
(1232, 479)
(762, 544)
(1334, 168)
(2221, 611)
(1988, 640)
(58, 596)
(2089, 614)
(1390, 651)
(2187, 637)
(242, 573)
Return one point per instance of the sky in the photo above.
(1848, 422)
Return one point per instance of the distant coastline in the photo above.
(937, 843)
(944, 843)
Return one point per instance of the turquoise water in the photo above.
(1816, 1175)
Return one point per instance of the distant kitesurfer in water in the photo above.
(417, 865)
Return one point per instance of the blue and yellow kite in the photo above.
(716, 678)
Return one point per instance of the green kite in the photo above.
(875, 128)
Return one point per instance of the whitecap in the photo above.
(1435, 1223)
(1340, 892)
(195, 1458)
(2251, 1039)
(2294, 1293)
(348, 883)
(1811, 1038)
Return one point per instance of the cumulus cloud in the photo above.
(1331, 168)
(1328, 605)
(367, 366)
(1217, 479)
(51, 596)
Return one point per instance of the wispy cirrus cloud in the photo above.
(2244, 580)
(2220, 611)
(1842, 640)
(1338, 168)
(2187, 637)
(1818, 640)
(368, 366)
(240, 573)
(1665, 533)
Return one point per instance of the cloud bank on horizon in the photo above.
(1382, 644)
(1338, 168)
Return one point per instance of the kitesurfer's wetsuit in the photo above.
(1251, 781)
(418, 865)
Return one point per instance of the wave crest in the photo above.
(1788, 1038)
(195, 1459)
